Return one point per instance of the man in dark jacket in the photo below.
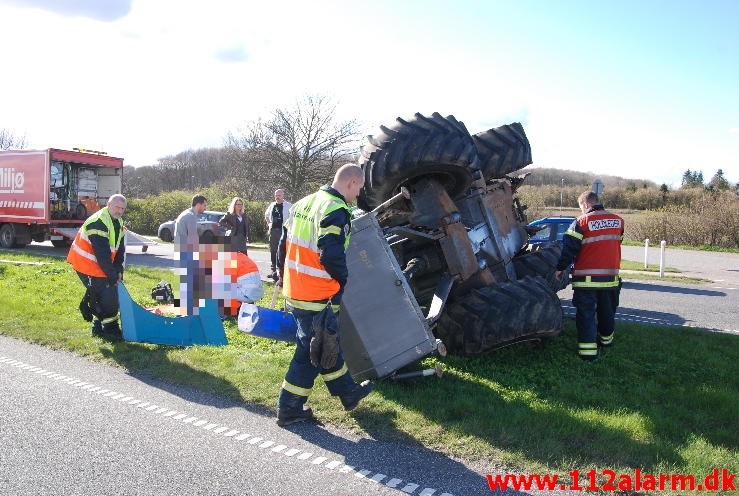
(97, 254)
(315, 273)
(594, 242)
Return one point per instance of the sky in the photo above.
(643, 89)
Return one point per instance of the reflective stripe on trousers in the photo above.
(302, 374)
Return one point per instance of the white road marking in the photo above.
(409, 488)
(365, 474)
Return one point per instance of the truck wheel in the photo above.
(542, 263)
(166, 235)
(7, 236)
(502, 150)
(80, 212)
(421, 146)
(499, 315)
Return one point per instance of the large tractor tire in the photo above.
(499, 315)
(542, 263)
(421, 146)
(502, 150)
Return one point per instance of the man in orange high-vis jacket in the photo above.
(594, 242)
(315, 273)
(97, 254)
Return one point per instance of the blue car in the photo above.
(551, 229)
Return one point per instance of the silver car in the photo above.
(207, 226)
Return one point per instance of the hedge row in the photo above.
(143, 216)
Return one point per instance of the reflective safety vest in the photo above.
(305, 278)
(598, 261)
(82, 256)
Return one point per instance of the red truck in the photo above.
(48, 194)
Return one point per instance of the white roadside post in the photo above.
(662, 245)
(646, 253)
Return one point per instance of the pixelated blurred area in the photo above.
(211, 269)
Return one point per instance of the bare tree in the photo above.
(8, 140)
(296, 149)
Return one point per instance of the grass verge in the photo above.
(664, 399)
(636, 270)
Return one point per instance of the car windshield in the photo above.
(543, 234)
(210, 217)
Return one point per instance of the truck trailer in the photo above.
(48, 194)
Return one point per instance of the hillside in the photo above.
(544, 176)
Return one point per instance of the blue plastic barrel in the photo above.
(267, 323)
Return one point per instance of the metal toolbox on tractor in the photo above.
(385, 329)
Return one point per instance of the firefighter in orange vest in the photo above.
(97, 255)
(315, 273)
(594, 242)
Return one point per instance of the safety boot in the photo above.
(287, 416)
(351, 400)
(111, 332)
(97, 329)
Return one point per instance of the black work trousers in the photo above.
(274, 243)
(594, 317)
(103, 299)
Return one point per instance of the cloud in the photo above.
(108, 10)
(734, 130)
(232, 54)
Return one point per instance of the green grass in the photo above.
(651, 273)
(686, 247)
(664, 399)
(629, 265)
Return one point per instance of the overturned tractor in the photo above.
(441, 255)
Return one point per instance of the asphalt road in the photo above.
(711, 306)
(76, 427)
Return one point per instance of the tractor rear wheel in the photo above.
(499, 315)
(502, 150)
(422, 146)
(542, 263)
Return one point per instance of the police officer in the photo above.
(594, 242)
(315, 273)
(97, 254)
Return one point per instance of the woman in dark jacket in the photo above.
(236, 224)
